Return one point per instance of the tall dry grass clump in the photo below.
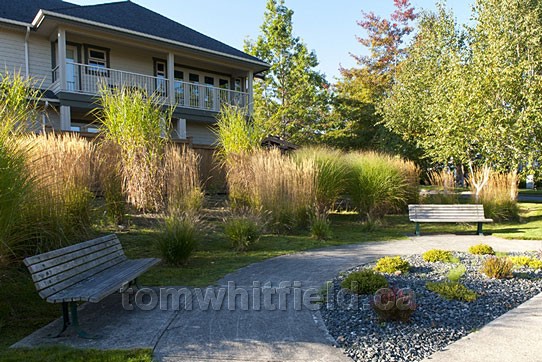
(331, 176)
(444, 182)
(184, 193)
(380, 184)
(498, 193)
(64, 170)
(136, 122)
(111, 181)
(275, 183)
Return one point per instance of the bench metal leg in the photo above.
(479, 231)
(417, 229)
(72, 307)
(75, 323)
(65, 319)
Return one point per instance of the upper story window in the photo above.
(97, 57)
(97, 60)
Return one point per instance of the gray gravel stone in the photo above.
(437, 322)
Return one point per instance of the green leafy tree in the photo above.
(506, 81)
(472, 95)
(292, 100)
(426, 105)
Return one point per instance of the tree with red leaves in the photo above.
(361, 88)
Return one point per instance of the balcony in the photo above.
(87, 79)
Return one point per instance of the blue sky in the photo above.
(326, 26)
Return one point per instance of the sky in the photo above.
(326, 26)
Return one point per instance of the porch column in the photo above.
(65, 118)
(181, 128)
(171, 78)
(61, 37)
(250, 92)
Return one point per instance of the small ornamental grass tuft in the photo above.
(452, 291)
(498, 268)
(365, 281)
(320, 228)
(481, 249)
(392, 265)
(243, 230)
(435, 255)
(178, 239)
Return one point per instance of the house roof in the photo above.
(125, 15)
(25, 10)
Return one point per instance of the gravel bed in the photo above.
(436, 323)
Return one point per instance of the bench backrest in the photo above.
(447, 212)
(59, 269)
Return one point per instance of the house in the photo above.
(72, 49)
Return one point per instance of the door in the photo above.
(71, 68)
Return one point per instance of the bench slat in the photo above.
(59, 252)
(99, 286)
(103, 262)
(78, 263)
(45, 293)
(74, 255)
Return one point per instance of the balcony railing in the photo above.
(87, 79)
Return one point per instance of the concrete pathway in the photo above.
(267, 318)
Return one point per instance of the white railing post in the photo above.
(171, 78)
(61, 37)
(250, 92)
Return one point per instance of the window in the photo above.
(194, 90)
(179, 87)
(178, 74)
(209, 80)
(224, 83)
(194, 78)
(97, 60)
(160, 72)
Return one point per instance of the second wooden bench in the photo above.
(468, 213)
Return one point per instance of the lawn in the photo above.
(214, 259)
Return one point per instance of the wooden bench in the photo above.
(447, 213)
(84, 272)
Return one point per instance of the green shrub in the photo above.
(320, 227)
(521, 260)
(501, 210)
(456, 273)
(452, 290)
(178, 239)
(379, 184)
(535, 264)
(498, 268)
(235, 135)
(243, 231)
(392, 265)
(481, 249)
(365, 281)
(435, 255)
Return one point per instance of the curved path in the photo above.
(266, 313)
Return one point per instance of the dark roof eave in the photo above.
(40, 17)
(15, 23)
